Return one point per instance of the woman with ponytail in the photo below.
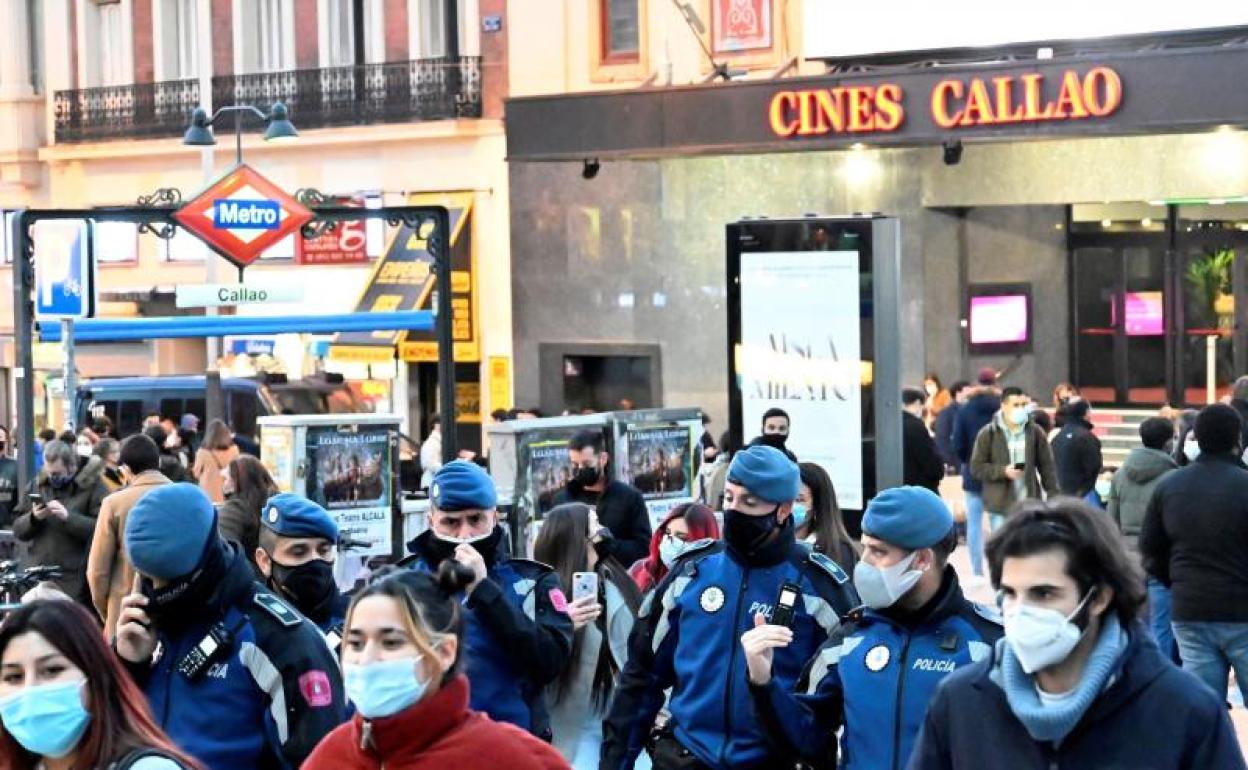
(67, 703)
(401, 669)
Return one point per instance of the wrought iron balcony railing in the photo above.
(392, 92)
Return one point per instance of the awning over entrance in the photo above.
(1116, 94)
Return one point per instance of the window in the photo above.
(104, 42)
(116, 242)
(111, 45)
(34, 26)
(184, 247)
(264, 35)
(176, 35)
(338, 28)
(427, 18)
(621, 30)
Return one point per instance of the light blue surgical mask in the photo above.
(47, 719)
(799, 514)
(385, 688)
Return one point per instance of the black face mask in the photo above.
(310, 586)
(774, 440)
(439, 550)
(747, 533)
(185, 600)
(587, 476)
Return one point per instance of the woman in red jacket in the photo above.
(687, 523)
(400, 660)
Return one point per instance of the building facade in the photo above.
(395, 101)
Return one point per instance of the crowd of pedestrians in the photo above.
(198, 625)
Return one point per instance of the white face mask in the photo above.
(1042, 637)
(1103, 488)
(670, 549)
(881, 587)
(1191, 450)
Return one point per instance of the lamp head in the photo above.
(280, 128)
(199, 133)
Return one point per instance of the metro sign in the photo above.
(242, 214)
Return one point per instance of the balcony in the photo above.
(392, 92)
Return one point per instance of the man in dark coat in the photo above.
(1077, 453)
(621, 508)
(982, 404)
(1077, 681)
(921, 465)
(943, 427)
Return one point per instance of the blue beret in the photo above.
(908, 517)
(461, 485)
(294, 516)
(168, 529)
(767, 473)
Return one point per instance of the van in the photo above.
(127, 400)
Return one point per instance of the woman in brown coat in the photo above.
(217, 451)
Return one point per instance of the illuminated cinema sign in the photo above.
(955, 103)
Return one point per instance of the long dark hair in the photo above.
(562, 544)
(120, 720)
(252, 482)
(824, 518)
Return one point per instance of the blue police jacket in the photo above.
(517, 641)
(268, 702)
(688, 638)
(875, 676)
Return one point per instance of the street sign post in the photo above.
(242, 214)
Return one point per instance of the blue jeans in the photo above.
(1159, 619)
(1211, 650)
(975, 531)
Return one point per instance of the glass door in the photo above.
(1119, 290)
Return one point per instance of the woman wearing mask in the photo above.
(1186, 450)
(687, 523)
(67, 703)
(579, 697)
(246, 485)
(217, 452)
(401, 669)
(818, 518)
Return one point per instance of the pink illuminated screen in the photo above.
(1145, 316)
(999, 319)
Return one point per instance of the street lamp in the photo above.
(199, 133)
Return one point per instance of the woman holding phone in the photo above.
(603, 609)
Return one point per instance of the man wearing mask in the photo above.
(518, 632)
(621, 508)
(8, 481)
(982, 404)
(882, 665)
(241, 679)
(776, 421)
(1076, 682)
(1012, 458)
(688, 631)
(1077, 454)
(298, 545)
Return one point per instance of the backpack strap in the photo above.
(132, 758)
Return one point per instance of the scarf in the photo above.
(1054, 723)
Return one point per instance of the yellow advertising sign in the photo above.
(500, 382)
(468, 402)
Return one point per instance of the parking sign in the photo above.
(64, 270)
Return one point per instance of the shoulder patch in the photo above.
(829, 566)
(990, 614)
(278, 609)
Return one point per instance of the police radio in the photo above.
(786, 600)
(212, 648)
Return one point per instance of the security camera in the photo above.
(592, 166)
(952, 151)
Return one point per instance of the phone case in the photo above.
(584, 584)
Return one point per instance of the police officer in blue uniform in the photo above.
(687, 635)
(232, 673)
(518, 633)
(298, 542)
(878, 671)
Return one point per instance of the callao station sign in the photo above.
(242, 214)
(953, 103)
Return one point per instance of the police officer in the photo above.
(687, 635)
(519, 635)
(298, 541)
(878, 671)
(240, 680)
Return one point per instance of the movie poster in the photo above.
(800, 351)
(660, 465)
(349, 474)
(544, 471)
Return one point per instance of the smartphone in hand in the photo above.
(584, 584)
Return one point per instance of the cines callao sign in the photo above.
(954, 103)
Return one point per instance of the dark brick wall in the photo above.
(222, 37)
(141, 18)
(307, 37)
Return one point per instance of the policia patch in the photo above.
(712, 599)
